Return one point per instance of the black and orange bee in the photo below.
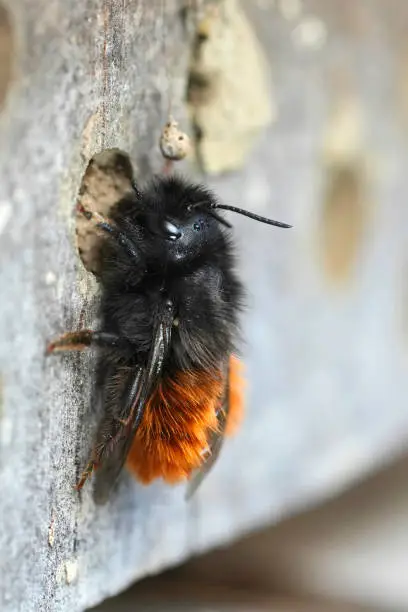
(168, 385)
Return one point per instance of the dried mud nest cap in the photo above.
(174, 144)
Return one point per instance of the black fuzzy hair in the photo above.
(196, 271)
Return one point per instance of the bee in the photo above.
(168, 384)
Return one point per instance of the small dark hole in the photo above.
(201, 38)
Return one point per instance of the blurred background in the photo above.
(348, 554)
(298, 110)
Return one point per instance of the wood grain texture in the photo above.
(327, 367)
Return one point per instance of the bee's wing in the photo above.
(113, 438)
(111, 450)
(215, 442)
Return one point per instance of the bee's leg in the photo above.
(96, 218)
(88, 471)
(80, 340)
(107, 226)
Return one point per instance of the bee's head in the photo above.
(182, 221)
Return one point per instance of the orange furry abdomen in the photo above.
(179, 417)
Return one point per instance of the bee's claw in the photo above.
(88, 471)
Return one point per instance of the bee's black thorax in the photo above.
(181, 253)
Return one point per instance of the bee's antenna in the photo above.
(219, 219)
(204, 205)
(246, 213)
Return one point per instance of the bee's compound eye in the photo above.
(172, 231)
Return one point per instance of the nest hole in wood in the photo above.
(343, 219)
(106, 180)
(6, 53)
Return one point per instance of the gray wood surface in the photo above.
(326, 326)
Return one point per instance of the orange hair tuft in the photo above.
(172, 438)
(236, 396)
(173, 434)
